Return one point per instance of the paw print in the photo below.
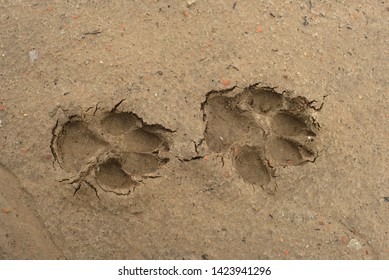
(110, 152)
(260, 130)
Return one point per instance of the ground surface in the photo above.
(216, 130)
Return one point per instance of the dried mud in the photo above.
(158, 130)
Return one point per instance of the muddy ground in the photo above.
(194, 129)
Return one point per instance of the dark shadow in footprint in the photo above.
(250, 165)
(289, 125)
(264, 100)
(120, 123)
(297, 105)
(111, 178)
(284, 152)
(139, 164)
(76, 144)
(142, 141)
(225, 123)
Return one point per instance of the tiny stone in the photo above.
(33, 54)
(305, 21)
(190, 2)
(354, 244)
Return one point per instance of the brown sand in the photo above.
(219, 130)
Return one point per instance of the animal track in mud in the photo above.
(110, 152)
(260, 129)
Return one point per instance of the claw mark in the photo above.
(117, 105)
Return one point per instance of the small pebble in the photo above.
(305, 22)
(190, 2)
(354, 244)
(33, 54)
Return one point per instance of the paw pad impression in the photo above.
(113, 151)
(260, 129)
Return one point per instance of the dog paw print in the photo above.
(260, 130)
(110, 152)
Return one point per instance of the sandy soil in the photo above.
(215, 130)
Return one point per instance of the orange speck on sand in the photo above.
(185, 13)
(75, 17)
(235, 152)
(356, 15)
(344, 240)
(206, 158)
(226, 82)
(286, 252)
(290, 162)
(5, 210)
(122, 27)
(2, 107)
(271, 162)
(259, 28)
(50, 8)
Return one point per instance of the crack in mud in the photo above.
(52, 141)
